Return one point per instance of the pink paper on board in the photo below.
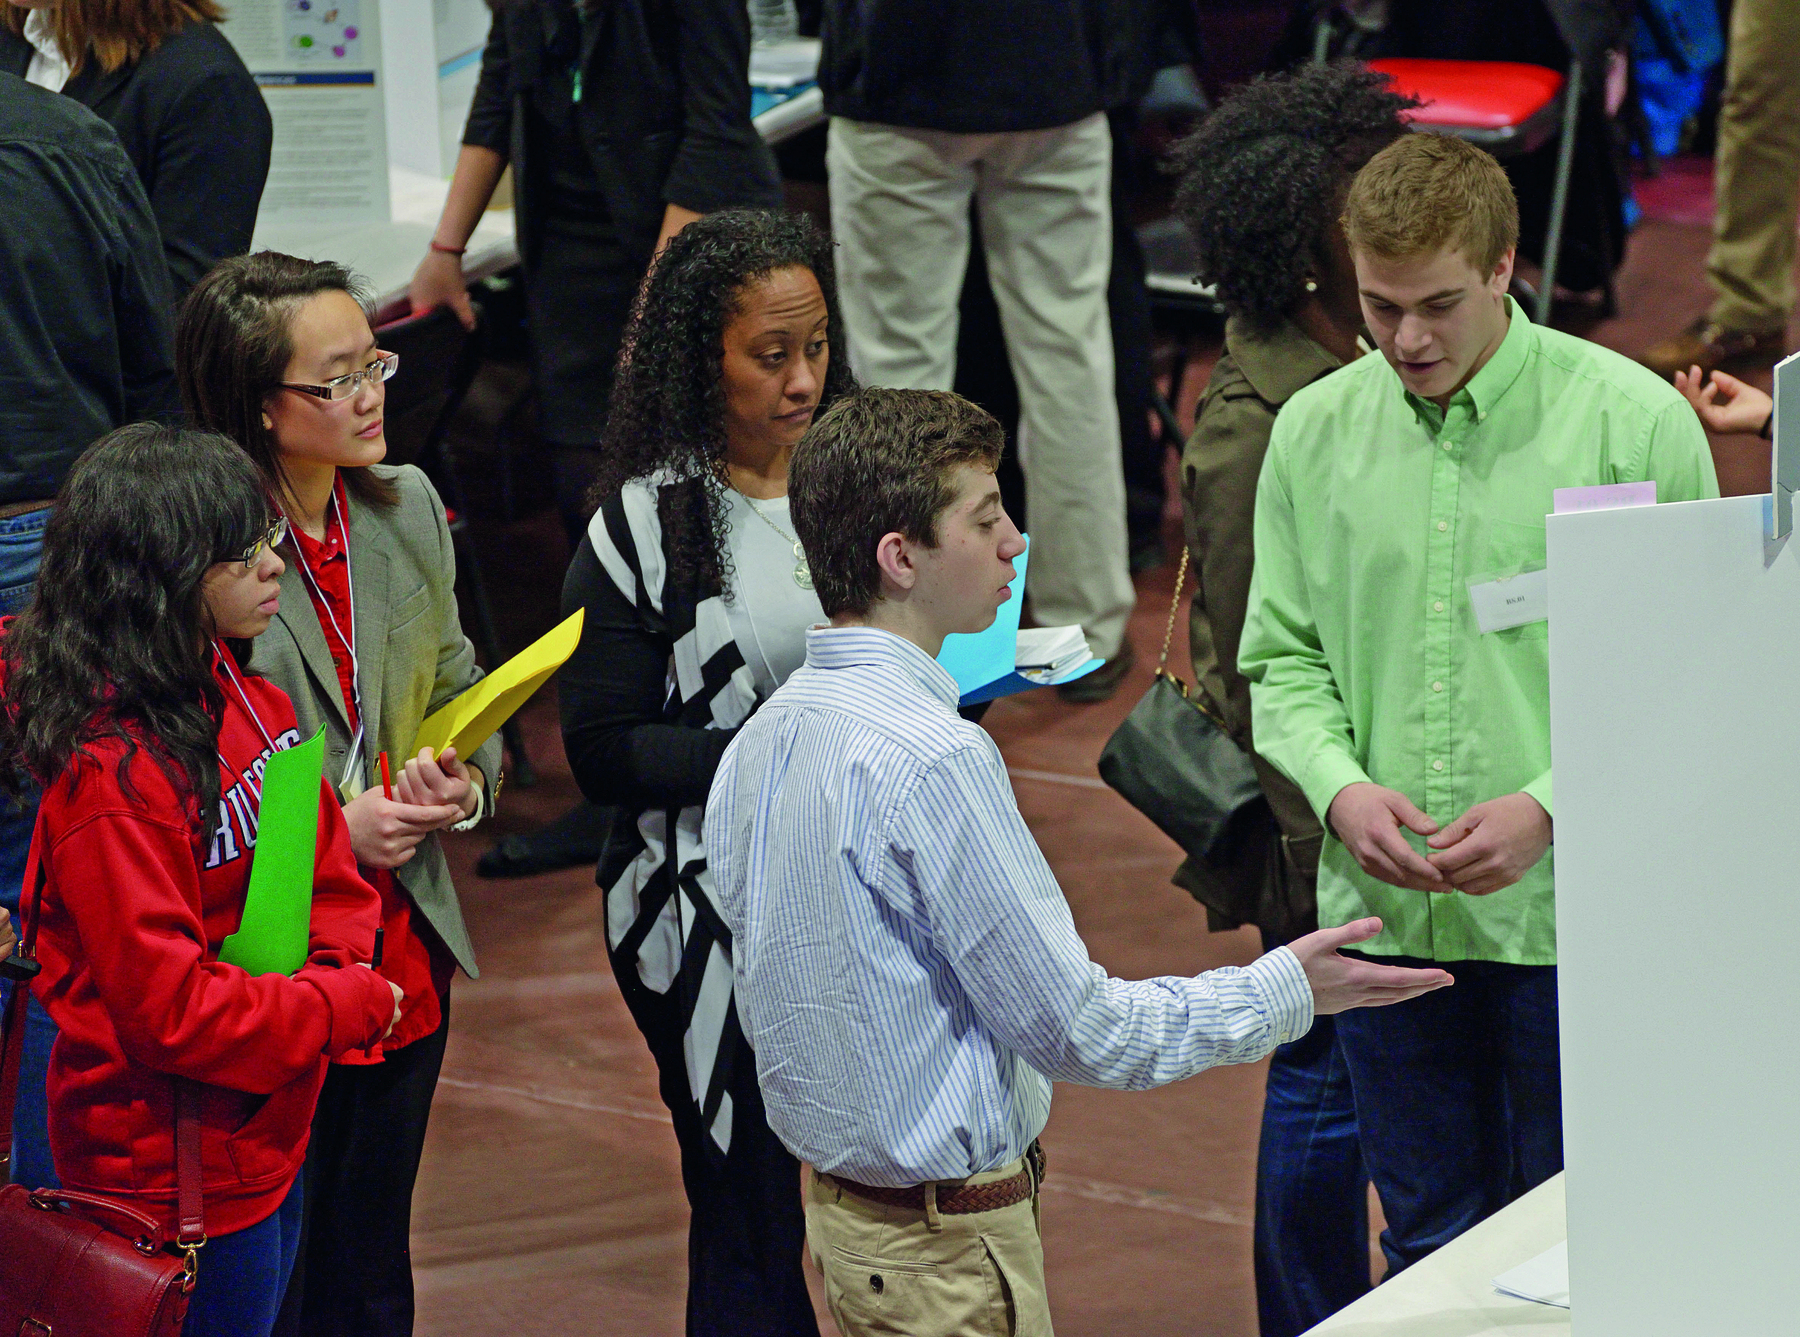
(1605, 497)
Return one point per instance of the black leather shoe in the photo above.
(1103, 682)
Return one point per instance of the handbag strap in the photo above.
(12, 1046)
(1194, 697)
(1162, 660)
(21, 969)
(190, 1213)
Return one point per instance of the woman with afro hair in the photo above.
(1263, 181)
(698, 599)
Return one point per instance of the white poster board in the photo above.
(1675, 726)
(430, 83)
(318, 63)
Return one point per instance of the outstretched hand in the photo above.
(1340, 983)
(1725, 404)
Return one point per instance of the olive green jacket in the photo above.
(1255, 375)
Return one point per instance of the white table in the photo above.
(385, 254)
(1451, 1293)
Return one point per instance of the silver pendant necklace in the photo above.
(802, 574)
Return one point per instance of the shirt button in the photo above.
(1437, 765)
(1448, 444)
(1443, 525)
(1438, 607)
(1437, 686)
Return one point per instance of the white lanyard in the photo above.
(353, 762)
(231, 671)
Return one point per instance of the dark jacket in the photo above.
(665, 114)
(1255, 375)
(194, 124)
(86, 339)
(978, 66)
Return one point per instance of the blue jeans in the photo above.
(244, 1274)
(1312, 1193)
(1459, 1095)
(21, 543)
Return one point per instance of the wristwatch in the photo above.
(485, 798)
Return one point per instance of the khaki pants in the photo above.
(900, 214)
(888, 1270)
(1757, 169)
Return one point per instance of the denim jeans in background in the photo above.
(1312, 1193)
(21, 543)
(1459, 1099)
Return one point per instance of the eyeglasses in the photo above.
(254, 553)
(345, 386)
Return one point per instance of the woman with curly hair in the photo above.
(698, 599)
(1263, 181)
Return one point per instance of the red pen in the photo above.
(387, 781)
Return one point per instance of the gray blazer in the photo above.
(413, 658)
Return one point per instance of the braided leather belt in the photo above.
(960, 1200)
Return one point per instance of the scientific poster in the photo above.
(318, 63)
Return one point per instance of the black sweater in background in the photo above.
(977, 66)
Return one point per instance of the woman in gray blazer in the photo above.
(277, 354)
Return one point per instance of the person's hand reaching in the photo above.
(1725, 404)
(1340, 983)
(439, 281)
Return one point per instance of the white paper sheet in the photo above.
(1544, 1280)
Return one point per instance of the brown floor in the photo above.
(550, 1201)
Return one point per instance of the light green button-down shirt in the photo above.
(1374, 512)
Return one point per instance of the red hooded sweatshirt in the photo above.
(132, 920)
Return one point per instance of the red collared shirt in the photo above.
(417, 961)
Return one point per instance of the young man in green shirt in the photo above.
(1407, 692)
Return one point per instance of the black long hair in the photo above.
(1263, 178)
(233, 341)
(668, 399)
(115, 641)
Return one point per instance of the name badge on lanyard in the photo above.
(354, 782)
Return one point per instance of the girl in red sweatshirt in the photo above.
(126, 699)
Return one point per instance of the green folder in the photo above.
(277, 923)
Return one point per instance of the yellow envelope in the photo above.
(470, 720)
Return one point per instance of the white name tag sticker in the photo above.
(1510, 601)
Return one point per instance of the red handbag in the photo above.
(79, 1265)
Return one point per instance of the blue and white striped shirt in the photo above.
(907, 968)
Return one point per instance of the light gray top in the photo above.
(769, 610)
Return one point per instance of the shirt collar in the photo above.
(849, 647)
(40, 34)
(1279, 363)
(1496, 377)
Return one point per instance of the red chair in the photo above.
(1507, 109)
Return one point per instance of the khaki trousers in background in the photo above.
(900, 214)
(888, 1270)
(1756, 180)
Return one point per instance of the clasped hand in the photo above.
(1489, 847)
(429, 795)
